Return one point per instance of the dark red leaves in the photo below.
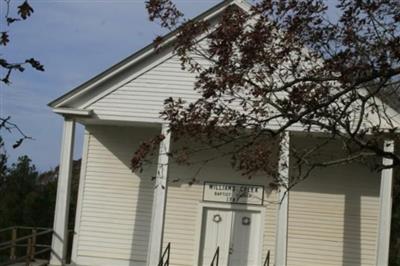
(286, 63)
(164, 11)
(18, 143)
(4, 39)
(35, 64)
(25, 10)
(147, 148)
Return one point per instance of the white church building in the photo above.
(339, 216)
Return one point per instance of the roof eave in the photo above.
(139, 55)
(72, 112)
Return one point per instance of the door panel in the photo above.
(245, 236)
(236, 233)
(216, 233)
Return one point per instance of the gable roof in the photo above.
(92, 88)
(148, 50)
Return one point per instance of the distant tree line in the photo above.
(27, 196)
(25, 201)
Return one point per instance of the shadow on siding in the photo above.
(352, 230)
(333, 214)
(122, 142)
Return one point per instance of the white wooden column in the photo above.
(385, 209)
(60, 226)
(283, 207)
(159, 200)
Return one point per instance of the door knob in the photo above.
(230, 251)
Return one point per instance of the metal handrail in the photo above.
(166, 252)
(266, 262)
(215, 258)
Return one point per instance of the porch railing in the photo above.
(215, 260)
(31, 247)
(164, 261)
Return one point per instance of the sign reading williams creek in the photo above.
(233, 193)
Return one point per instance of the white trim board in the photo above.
(72, 111)
(385, 208)
(156, 237)
(82, 177)
(283, 208)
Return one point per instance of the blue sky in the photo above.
(74, 40)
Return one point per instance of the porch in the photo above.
(157, 226)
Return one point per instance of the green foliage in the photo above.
(24, 201)
(27, 198)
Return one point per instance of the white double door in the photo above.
(237, 233)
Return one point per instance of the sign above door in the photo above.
(233, 193)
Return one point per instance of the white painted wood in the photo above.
(198, 234)
(283, 207)
(60, 226)
(85, 151)
(245, 5)
(72, 111)
(385, 208)
(333, 214)
(203, 206)
(142, 98)
(116, 208)
(245, 239)
(216, 232)
(139, 70)
(116, 204)
(95, 260)
(182, 223)
(159, 201)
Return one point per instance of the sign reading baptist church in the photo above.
(233, 193)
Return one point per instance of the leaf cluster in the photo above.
(284, 65)
(7, 67)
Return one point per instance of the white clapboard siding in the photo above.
(116, 204)
(143, 97)
(333, 216)
(184, 206)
